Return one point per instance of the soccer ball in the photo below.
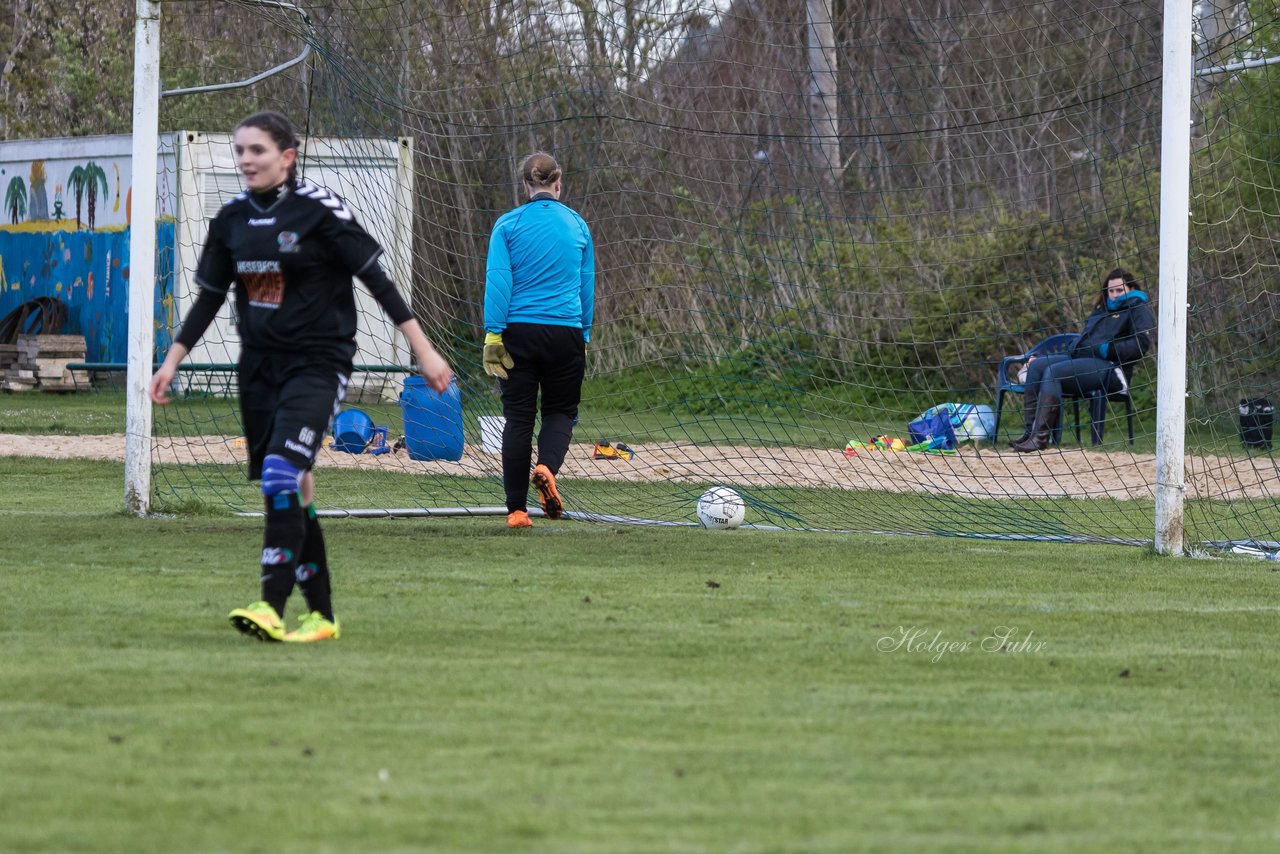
(721, 507)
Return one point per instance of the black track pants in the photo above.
(550, 362)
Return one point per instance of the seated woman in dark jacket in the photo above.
(1115, 338)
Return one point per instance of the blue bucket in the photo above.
(432, 421)
(352, 430)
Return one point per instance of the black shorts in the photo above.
(286, 404)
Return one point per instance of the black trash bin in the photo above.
(1256, 417)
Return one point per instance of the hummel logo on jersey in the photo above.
(298, 449)
(329, 200)
(265, 221)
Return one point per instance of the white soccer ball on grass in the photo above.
(721, 507)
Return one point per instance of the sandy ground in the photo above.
(985, 473)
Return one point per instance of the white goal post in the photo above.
(1171, 328)
(142, 251)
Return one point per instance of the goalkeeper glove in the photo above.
(496, 358)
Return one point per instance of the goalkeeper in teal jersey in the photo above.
(539, 301)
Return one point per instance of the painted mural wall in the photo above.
(65, 231)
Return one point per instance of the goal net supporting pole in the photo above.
(142, 257)
(1171, 340)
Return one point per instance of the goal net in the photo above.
(813, 222)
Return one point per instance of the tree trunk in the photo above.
(823, 115)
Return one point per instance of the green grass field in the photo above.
(592, 688)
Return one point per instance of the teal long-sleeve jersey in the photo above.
(541, 268)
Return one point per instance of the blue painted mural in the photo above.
(89, 272)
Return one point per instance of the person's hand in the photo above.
(431, 365)
(435, 370)
(496, 358)
(158, 388)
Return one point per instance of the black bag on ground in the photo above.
(1256, 417)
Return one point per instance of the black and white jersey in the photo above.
(291, 260)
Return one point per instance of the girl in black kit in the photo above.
(290, 249)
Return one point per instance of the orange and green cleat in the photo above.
(314, 627)
(519, 519)
(258, 620)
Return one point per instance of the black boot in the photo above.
(1046, 420)
(1028, 416)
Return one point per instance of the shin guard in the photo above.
(286, 530)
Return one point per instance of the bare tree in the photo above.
(823, 110)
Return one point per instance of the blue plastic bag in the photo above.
(934, 426)
(965, 422)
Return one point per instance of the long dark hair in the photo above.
(280, 129)
(1118, 273)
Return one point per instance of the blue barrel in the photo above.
(432, 421)
(352, 430)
